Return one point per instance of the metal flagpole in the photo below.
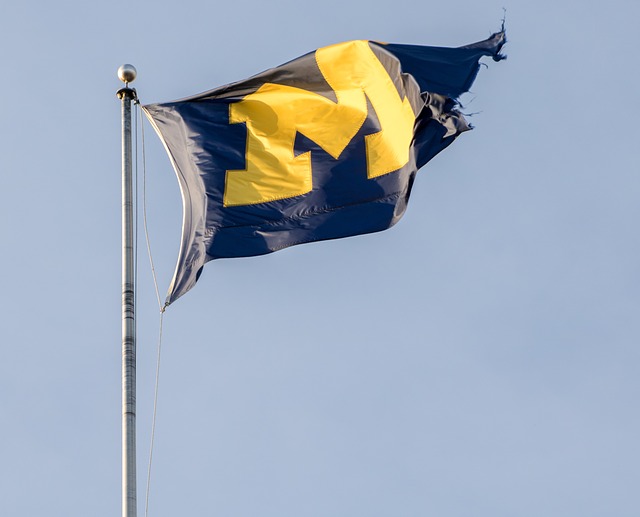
(127, 73)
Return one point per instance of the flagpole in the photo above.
(127, 73)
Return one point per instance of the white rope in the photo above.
(144, 217)
(162, 308)
(155, 411)
(135, 208)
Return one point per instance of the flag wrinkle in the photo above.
(308, 215)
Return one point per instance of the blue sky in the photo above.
(480, 358)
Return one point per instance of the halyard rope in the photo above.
(162, 308)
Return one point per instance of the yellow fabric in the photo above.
(274, 113)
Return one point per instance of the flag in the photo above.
(322, 147)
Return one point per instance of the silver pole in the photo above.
(127, 73)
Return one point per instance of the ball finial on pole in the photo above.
(127, 73)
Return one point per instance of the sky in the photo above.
(479, 359)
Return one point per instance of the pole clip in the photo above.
(127, 93)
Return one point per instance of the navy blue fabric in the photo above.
(447, 71)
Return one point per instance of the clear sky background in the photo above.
(481, 358)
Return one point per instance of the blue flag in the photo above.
(323, 147)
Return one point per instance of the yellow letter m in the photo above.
(275, 113)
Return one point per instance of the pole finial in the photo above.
(127, 74)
